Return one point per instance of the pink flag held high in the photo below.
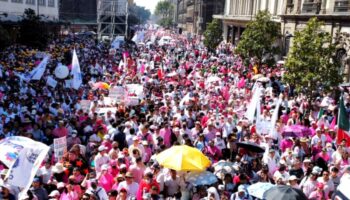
(241, 83)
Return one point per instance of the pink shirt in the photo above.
(137, 172)
(106, 181)
(286, 144)
(60, 132)
(166, 135)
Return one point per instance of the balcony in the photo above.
(311, 7)
(189, 19)
(342, 6)
(190, 2)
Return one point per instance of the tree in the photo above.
(259, 37)
(165, 11)
(311, 63)
(213, 35)
(33, 31)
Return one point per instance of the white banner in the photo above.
(103, 111)
(117, 93)
(135, 89)
(51, 82)
(85, 105)
(30, 157)
(274, 118)
(60, 147)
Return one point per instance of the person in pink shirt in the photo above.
(213, 152)
(105, 179)
(165, 133)
(318, 194)
(324, 155)
(148, 151)
(60, 131)
(107, 142)
(286, 143)
(137, 169)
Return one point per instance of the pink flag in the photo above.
(225, 93)
(142, 69)
(241, 83)
(333, 123)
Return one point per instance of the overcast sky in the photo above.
(149, 4)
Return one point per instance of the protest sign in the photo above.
(117, 93)
(51, 82)
(135, 90)
(60, 147)
(85, 105)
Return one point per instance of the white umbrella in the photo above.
(213, 79)
(258, 189)
(263, 79)
(201, 178)
(343, 189)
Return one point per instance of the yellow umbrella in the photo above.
(183, 158)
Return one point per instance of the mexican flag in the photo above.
(343, 124)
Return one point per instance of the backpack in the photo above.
(96, 193)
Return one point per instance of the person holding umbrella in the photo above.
(241, 194)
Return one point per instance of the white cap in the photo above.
(101, 148)
(292, 178)
(60, 185)
(54, 193)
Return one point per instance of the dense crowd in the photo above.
(191, 96)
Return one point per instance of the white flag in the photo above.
(250, 113)
(38, 71)
(29, 158)
(77, 79)
(273, 132)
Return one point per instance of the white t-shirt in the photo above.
(131, 188)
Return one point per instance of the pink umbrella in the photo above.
(296, 131)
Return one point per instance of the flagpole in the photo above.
(338, 117)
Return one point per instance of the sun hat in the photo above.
(58, 168)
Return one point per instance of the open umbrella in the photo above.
(201, 178)
(251, 147)
(258, 189)
(101, 85)
(284, 192)
(263, 79)
(296, 131)
(342, 191)
(257, 76)
(183, 158)
(224, 167)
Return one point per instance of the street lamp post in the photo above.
(37, 7)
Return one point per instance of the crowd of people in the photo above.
(191, 96)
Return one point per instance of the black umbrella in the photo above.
(251, 147)
(284, 192)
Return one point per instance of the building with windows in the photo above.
(194, 15)
(238, 13)
(14, 8)
(334, 13)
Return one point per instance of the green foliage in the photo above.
(165, 11)
(33, 31)
(213, 35)
(5, 39)
(259, 37)
(311, 62)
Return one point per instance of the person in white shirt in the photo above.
(97, 190)
(101, 158)
(219, 142)
(319, 136)
(327, 182)
(228, 127)
(271, 160)
(45, 173)
(173, 184)
(129, 184)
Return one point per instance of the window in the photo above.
(17, 1)
(41, 2)
(51, 3)
(31, 2)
